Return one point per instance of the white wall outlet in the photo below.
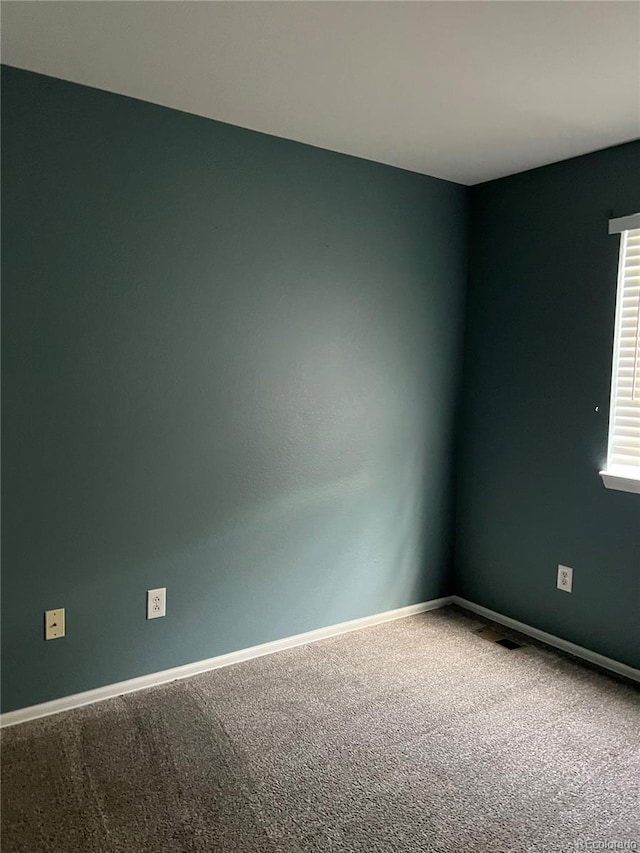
(54, 626)
(156, 603)
(565, 578)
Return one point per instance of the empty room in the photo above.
(320, 426)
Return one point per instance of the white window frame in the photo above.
(624, 478)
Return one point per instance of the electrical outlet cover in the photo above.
(565, 578)
(54, 624)
(156, 603)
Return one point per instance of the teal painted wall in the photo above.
(229, 368)
(538, 348)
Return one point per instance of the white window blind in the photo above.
(623, 457)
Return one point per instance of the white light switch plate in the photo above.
(156, 603)
(565, 578)
(54, 626)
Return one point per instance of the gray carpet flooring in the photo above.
(415, 735)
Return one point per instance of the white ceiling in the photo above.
(466, 91)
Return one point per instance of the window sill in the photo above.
(622, 480)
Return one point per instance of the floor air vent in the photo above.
(493, 637)
(508, 644)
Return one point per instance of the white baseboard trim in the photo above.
(550, 639)
(109, 691)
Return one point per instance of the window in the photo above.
(623, 455)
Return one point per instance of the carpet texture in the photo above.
(415, 735)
